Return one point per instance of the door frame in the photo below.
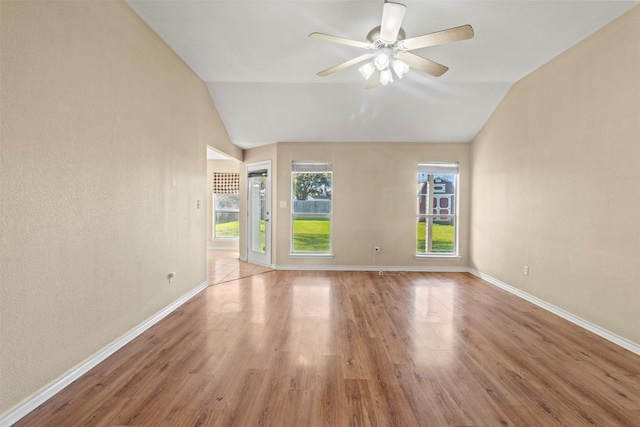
(256, 257)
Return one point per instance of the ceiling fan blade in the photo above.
(440, 37)
(372, 81)
(340, 40)
(392, 16)
(422, 64)
(346, 64)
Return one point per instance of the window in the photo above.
(437, 209)
(311, 208)
(226, 205)
(226, 216)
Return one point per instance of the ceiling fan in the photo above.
(390, 49)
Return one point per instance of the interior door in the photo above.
(259, 213)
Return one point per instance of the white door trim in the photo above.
(257, 257)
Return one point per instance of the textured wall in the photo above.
(556, 181)
(104, 132)
(374, 200)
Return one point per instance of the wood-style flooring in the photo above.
(224, 266)
(334, 349)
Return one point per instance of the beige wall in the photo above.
(556, 182)
(218, 166)
(374, 201)
(104, 131)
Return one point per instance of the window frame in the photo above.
(310, 167)
(431, 169)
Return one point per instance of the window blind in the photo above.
(311, 166)
(439, 168)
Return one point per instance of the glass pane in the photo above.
(421, 237)
(443, 237)
(227, 201)
(422, 205)
(444, 190)
(257, 212)
(440, 232)
(312, 186)
(311, 234)
(227, 225)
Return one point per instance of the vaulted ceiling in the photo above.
(260, 65)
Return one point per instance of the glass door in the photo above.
(258, 212)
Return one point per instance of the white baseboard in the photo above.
(222, 248)
(608, 335)
(423, 269)
(28, 405)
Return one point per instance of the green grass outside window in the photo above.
(443, 240)
(312, 235)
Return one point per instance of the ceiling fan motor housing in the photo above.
(374, 37)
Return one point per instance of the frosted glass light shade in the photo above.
(367, 70)
(381, 61)
(400, 67)
(386, 77)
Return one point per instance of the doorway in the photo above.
(259, 213)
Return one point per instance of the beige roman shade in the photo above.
(226, 183)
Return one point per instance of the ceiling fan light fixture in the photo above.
(386, 77)
(400, 68)
(367, 70)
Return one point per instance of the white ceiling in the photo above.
(216, 155)
(260, 66)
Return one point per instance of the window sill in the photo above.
(432, 256)
(225, 239)
(310, 255)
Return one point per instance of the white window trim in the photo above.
(213, 221)
(310, 167)
(310, 255)
(439, 168)
(436, 256)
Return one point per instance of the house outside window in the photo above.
(311, 208)
(437, 219)
(226, 205)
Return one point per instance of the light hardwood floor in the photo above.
(224, 266)
(356, 349)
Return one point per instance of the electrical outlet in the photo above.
(171, 276)
(376, 249)
(526, 270)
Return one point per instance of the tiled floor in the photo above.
(224, 266)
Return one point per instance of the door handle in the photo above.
(266, 220)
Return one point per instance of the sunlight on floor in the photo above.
(224, 266)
